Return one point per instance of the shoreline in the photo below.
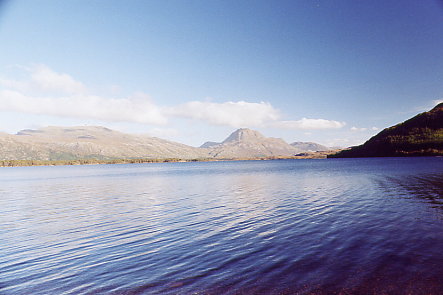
(30, 163)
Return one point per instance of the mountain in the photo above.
(421, 135)
(246, 143)
(59, 143)
(209, 144)
(95, 142)
(310, 146)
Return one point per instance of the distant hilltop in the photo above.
(310, 146)
(245, 143)
(421, 135)
(96, 142)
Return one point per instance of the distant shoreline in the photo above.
(29, 163)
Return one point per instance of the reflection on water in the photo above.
(426, 187)
(271, 227)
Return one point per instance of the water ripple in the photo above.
(275, 227)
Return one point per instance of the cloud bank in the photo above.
(48, 80)
(132, 109)
(309, 124)
(42, 79)
(234, 114)
(47, 92)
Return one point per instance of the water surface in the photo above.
(349, 226)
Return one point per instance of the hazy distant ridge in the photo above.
(59, 143)
(310, 146)
(95, 142)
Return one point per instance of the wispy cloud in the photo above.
(48, 92)
(234, 114)
(43, 79)
(133, 109)
(428, 105)
(353, 128)
(13, 84)
(48, 80)
(362, 129)
(309, 124)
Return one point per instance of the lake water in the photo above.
(349, 226)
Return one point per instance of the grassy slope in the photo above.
(421, 135)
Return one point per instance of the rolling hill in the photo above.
(100, 143)
(89, 142)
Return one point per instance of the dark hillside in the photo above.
(421, 135)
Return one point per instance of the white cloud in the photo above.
(46, 79)
(362, 129)
(246, 114)
(13, 84)
(428, 106)
(234, 114)
(42, 79)
(309, 124)
(137, 108)
(46, 92)
(353, 128)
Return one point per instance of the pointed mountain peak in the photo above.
(244, 134)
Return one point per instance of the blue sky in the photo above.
(333, 72)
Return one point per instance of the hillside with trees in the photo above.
(421, 135)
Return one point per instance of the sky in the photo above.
(331, 72)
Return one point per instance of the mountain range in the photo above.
(95, 142)
(421, 135)
(247, 143)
